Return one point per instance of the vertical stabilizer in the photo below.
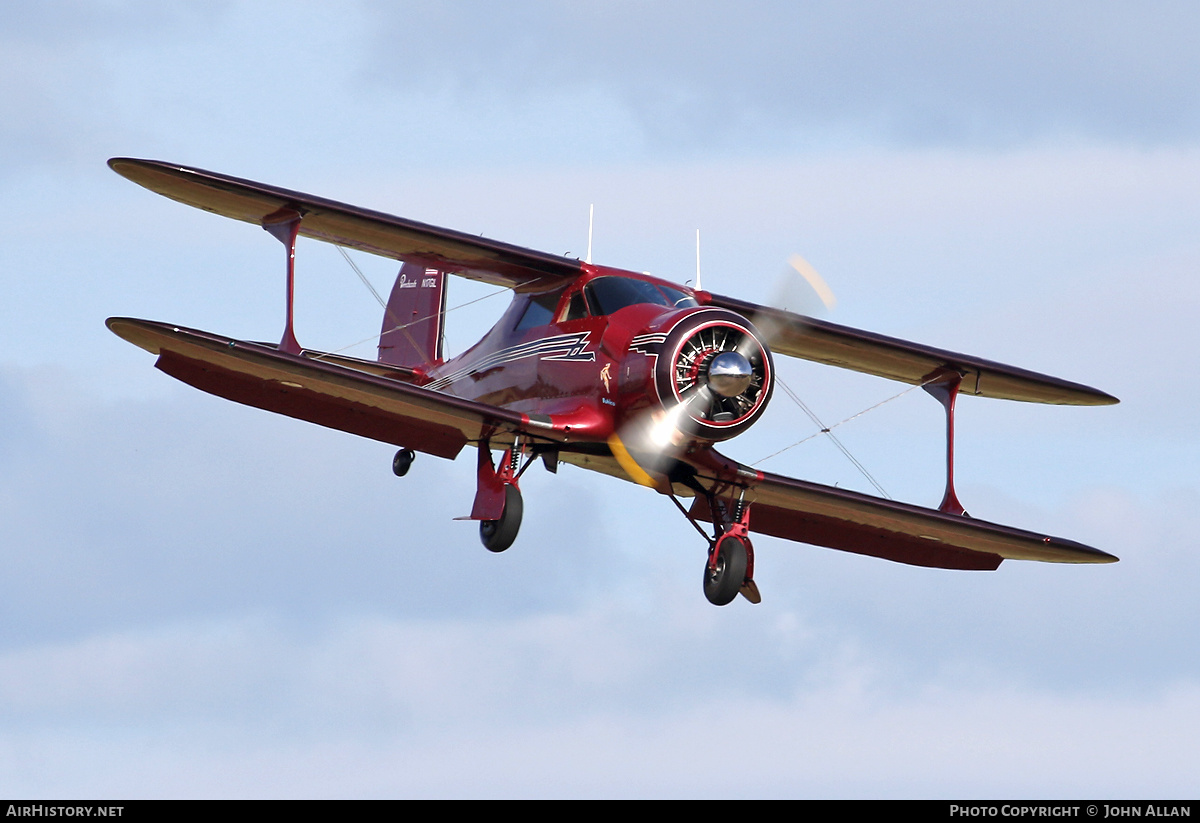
(412, 323)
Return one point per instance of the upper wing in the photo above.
(854, 522)
(335, 394)
(799, 336)
(468, 255)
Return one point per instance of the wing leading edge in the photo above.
(331, 394)
(850, 521)
(895, 359)
(347, 396)
(468, 255)
(491, 261)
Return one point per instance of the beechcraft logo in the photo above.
(429, 281)
(561, 347)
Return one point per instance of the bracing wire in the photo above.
(828, 430)
(398, 326)
(362, 277)
(823, 429)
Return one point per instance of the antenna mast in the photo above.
(591, 211)
(698, 286)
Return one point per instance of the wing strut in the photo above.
(284, 225)
(943, 386)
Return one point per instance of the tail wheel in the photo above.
(498, 535)
(402, 462)
(723, 579)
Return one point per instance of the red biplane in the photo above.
(610, 370)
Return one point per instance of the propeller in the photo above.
(819, 287)
(648, 443)
(720, 375)
(798, 289)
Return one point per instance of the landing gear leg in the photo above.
(730, 567)
(498, 506)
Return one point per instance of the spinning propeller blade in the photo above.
(818, 284)
(799, 289)
(647, 444)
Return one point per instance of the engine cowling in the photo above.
(715, 362)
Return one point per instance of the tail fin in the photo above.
(412, 322)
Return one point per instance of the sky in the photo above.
(205, 600)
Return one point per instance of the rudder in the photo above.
(413, 320)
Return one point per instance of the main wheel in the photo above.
(722, 583)
(402, 461)
(498, 535)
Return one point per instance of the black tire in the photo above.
(402, 461)
(722, 583)
(498, 535)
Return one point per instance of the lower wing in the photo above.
(850, 521)
(360, 397)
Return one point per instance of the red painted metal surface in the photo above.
(489, 490)
(411, 334)
(284, 225)
(738, 528)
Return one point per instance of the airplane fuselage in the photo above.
(609, 346)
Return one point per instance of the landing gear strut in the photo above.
(498, 506)
(730, 567)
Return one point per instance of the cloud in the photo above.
(706, 76)
(206, 599)
(60, 73)
(596, 703)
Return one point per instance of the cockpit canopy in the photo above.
(601, 297)
(606, 295)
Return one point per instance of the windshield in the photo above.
(609, 294)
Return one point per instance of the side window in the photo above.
(539, 312)
(577, 308)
